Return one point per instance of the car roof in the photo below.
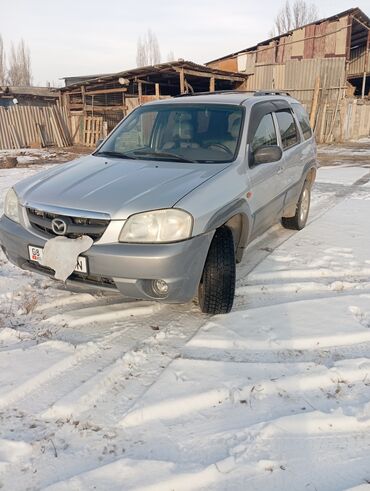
(227, 97)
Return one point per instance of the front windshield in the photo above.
(207, 133)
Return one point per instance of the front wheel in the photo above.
(303, 207)
(217, 286)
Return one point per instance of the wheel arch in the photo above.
(311, 176)
(237, 217)
(239, 226)
(308, 175)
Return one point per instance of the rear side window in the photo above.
(288, 128)
(265, 134)
(303, 120)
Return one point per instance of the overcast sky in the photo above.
(76, 37)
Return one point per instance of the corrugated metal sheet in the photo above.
(302, 74)
(278, 74)
(357, 63)
(264, 77)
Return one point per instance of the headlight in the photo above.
(157, 226)
(11, 205)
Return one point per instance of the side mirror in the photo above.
(267, 154)
(99, 142)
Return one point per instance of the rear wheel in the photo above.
(303, 207)
(217, 285)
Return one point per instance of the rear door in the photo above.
(308, 144)
(267, 180)
(290, 139)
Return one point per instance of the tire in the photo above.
(303, 207)
(217, 286)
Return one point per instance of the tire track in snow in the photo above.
(116, 388)
(44, 388)
(313, 381)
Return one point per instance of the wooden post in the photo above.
(83, 99)
(212, 84)
(67, 109)
(363, 86)
(182, 81)
(329, 135)
(140, 90)
(321, 138)
(123, 104)
(315, 100)
(366, 57)
(157, 91)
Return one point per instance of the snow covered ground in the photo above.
(31, 156)
(101, 393)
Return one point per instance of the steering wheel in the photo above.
(221, 146)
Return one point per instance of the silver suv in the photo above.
(166, 205)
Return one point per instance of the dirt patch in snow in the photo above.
(28, 157)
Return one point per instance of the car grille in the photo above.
(76, 226)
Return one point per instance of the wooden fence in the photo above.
(25, 126)
(352, 120)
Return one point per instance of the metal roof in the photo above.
(82, 78)
(28, 91)
(165, 68)
(356, 12)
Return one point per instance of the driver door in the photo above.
(267, 180)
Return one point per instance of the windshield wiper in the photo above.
(166, 155)
(119, 155)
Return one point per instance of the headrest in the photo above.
(183, 130)
(235, 128)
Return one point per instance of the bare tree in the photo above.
(148, 52)
(292, 16)
(141, 55)
(2, 63)
(19, 72)
(171, 56)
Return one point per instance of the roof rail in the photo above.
(216, 92)
(270, 92)
(253, 92)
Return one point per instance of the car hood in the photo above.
(114, 186)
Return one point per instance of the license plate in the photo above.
(35, 254)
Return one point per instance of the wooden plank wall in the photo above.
(354, 120)
(317, 41)
(23, 126)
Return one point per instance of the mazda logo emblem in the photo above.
(59, 226)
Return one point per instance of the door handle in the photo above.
(280, 170)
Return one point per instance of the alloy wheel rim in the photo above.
(305, 201)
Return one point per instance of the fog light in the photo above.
(160, 287)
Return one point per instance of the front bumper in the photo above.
(129, 268)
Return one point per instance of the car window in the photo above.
(265, 134)
(208, 133)
(137, 134)
(288, 128)
(302, 117)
